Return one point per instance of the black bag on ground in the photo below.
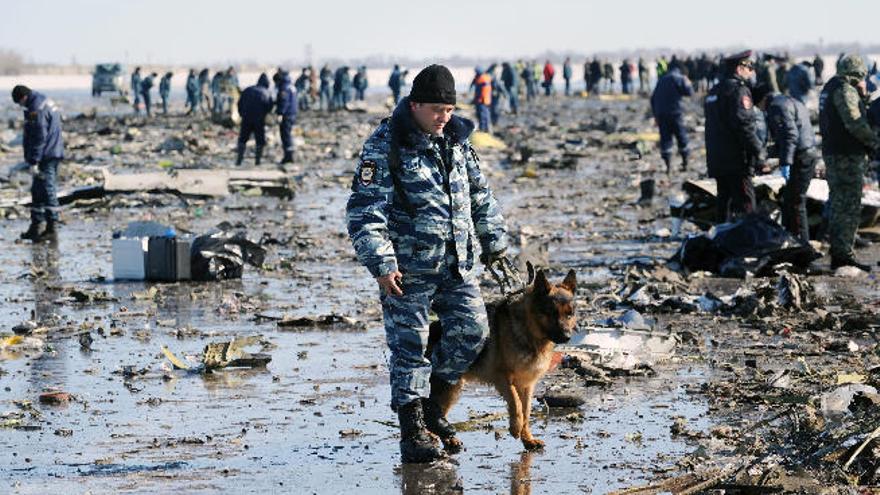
(753, 243)
(221, 254)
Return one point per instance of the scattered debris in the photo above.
(198, 182)
(222, 253)
(331, 319)
(633, 348)
(747, 361)
(219, 355)
(54, 398)
(699, 206)
(231, 355)
(85, 341)
(25, 328)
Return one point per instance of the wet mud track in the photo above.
(317, 420)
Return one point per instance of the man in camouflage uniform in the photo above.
(847, 139)
(419, 202)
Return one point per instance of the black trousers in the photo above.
(794, 196)
(258, 130)
(672, 125)
(736, 196)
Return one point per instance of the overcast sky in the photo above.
(191, 31)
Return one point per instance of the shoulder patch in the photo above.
(747, 102)
(32, 116)
(367, 173)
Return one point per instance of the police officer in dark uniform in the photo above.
(254, 104)
(669, 113)
(43, 150)
(733, 148)
(286, 110)
(146, 87)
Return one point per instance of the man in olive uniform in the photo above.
(418, 207)
(733, 148)
(847, 139)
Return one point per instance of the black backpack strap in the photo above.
(394, 171)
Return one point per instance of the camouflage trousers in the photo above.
(460, 308)
(846, 175)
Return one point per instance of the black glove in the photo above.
(490, 258)
(503, 271)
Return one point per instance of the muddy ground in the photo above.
(316, 419)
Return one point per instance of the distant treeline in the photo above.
(11, 63)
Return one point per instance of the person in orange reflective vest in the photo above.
(482, 85)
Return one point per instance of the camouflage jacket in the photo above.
(408, 229)
(843, 119)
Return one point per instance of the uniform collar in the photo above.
(32, 100)
(457, 131)
(739, 79)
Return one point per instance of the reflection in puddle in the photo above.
(520, 475)
(442, 477)
(316, 420)
(436, 478)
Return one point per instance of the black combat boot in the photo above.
(684, 163)
(416, 445)
(668, 161)
(258, 155)
(239, 157)
(840, 262)
(435, 421)
(33, 232)
(288, 158)
(50, 234)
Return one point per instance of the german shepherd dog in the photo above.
(523, 331)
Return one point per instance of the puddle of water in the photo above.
(283, 424)
(280, 429)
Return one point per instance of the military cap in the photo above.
(852, 66)
(737, 58)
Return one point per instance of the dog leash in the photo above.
(506, 276)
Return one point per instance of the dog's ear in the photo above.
(530, 269)
(570, 282)
(542, 285)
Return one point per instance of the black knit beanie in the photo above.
(434, 84)
(20, 92)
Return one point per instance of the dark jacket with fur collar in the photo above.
(456, 207)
